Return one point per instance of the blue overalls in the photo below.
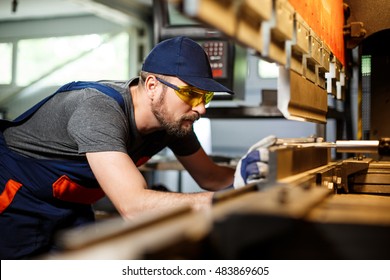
(39, 196)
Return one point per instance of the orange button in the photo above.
(217, 73)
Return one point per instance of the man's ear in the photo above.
(151, 85)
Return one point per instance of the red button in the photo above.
(217, 73)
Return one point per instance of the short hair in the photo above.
(144, 74)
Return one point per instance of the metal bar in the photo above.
(361, 146)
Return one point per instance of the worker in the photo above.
(88, 139)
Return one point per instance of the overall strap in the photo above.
(109, 91)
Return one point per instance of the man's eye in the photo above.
(194, 93)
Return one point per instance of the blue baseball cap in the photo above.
(185, 59)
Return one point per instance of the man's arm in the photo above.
(206, 173)
(125, 186)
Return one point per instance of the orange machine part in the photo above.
(326, 18)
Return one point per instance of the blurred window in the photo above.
(61, 59)
(5, 63)
(267, 70)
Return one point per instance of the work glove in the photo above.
(253, 166)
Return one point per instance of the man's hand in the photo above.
(253, 167)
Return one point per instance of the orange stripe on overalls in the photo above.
(8, 194)
(65, 189)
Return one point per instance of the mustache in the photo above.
(193, 117)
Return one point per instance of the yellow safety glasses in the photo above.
(189, 94)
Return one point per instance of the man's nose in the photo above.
(200, 108)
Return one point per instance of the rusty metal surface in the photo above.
(326, 18)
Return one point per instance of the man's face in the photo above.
(175, 116)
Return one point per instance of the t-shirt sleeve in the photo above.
(98, 124)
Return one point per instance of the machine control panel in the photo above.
(217, 53)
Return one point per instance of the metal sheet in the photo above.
(300, 99)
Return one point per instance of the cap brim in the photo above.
(204, 83)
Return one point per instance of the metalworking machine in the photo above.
(310, 208)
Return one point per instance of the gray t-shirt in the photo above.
(73, 123)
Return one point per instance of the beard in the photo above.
(173, 127)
